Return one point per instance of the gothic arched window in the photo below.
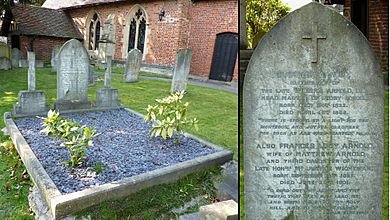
(137, 31)
(94, 33)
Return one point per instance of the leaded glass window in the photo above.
(133, 31)
(137, 31)
(94, 33)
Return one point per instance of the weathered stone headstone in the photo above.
(5, 50)
(133, 65)
(39, 63)
(72, 77)
(3, 39)
(313, 121)
(31, 71)
(107, 41)
(91, 77)
(243, 30)
(54, 57)
(16, 55)
(107, 97)
(32, 101)
(182, 70)
(5, 56)
(107, 74)
(5, 63)
(23, 63)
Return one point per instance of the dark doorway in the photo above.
(15, 41)
(224, 58)
(359, 15)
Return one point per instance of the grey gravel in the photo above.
(123, 147)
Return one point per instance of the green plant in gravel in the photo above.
(98, 167)
(77, 138)
(169, 117)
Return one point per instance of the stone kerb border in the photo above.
(61, 205)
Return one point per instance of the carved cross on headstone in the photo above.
(31, 71)
(107, 76)
(314, 36)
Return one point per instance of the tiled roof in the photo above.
(56, 4)
(34, 20)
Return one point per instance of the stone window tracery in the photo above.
(94, 33)
(137, 30)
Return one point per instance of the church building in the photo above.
(156, 28)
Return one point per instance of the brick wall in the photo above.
(186, 24)
(378, 28)
(42, 46)
(162, 38)
(207, 19)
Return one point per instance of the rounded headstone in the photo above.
(133, 65)
(72, 72)
(313, 121)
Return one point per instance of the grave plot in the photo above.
(130, 160)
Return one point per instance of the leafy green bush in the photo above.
(169, 117)
(77, 138)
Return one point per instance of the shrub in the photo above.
(76, 138)
(169, 117)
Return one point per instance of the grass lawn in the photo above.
(385, 192)
(216, 111)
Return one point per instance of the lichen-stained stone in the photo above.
(72, 76)
(133, 65)
(182, 70)
(313, 121)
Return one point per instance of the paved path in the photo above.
(231, 87)
(214, 85)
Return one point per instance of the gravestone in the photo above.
(72, 77)
(23, 63)
(5, 50)
(32, 101)
(107, 41)
(16, 55)
(54, 57)
(5, 56)
(5, 63)
(243, 27)
(31, 71)
(182, 70)
(39, 63)
(313, 121)
(133, 65)
(91, 77)
(107, 97)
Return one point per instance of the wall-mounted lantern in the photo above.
(161, 15)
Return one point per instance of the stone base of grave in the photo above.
(14, 63)
(31, 102)
(63, 105)
(131, 78)
(39, 207)
(5, 63)
(107, 98)
(226, 210)
(23, 63)
(178, 86)
(228, 189)
(39, 63)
